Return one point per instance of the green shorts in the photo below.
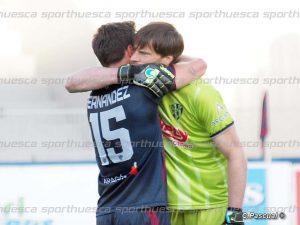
(214, 216)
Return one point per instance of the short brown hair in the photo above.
(111, 41)
(162, 37)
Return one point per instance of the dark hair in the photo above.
(111, 41)
(162, 37)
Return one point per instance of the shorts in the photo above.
(214, 216)
(141, 217)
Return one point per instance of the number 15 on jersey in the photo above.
(109, 154)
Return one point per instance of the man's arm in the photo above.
(187, 70)
(91, 79)
(99, 77)
(228, 143)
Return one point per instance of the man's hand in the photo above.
(234, 216)
(155, 77)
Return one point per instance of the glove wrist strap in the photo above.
(125, 74)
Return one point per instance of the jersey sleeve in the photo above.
(212, 112)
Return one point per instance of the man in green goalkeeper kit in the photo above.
(202, 149)
(206, 167)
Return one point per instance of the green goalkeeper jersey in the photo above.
(196, 169)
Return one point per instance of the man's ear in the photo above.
(167, 60)
(129, 50)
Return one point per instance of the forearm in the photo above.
(228, 143)
(91, 79)
(237, 174)
(189, 71)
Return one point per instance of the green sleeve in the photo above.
(211, 111)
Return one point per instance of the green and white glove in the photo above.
(156, 77)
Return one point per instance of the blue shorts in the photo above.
(142, 217)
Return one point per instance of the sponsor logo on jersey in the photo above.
(222, 114)
(173, 133)
(177, 110)
(115, 179)
(220, 108)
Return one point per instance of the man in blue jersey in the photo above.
(132, 179)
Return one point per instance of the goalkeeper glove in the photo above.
(156, 77)
(233, 216)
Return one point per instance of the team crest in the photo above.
(176, 110)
